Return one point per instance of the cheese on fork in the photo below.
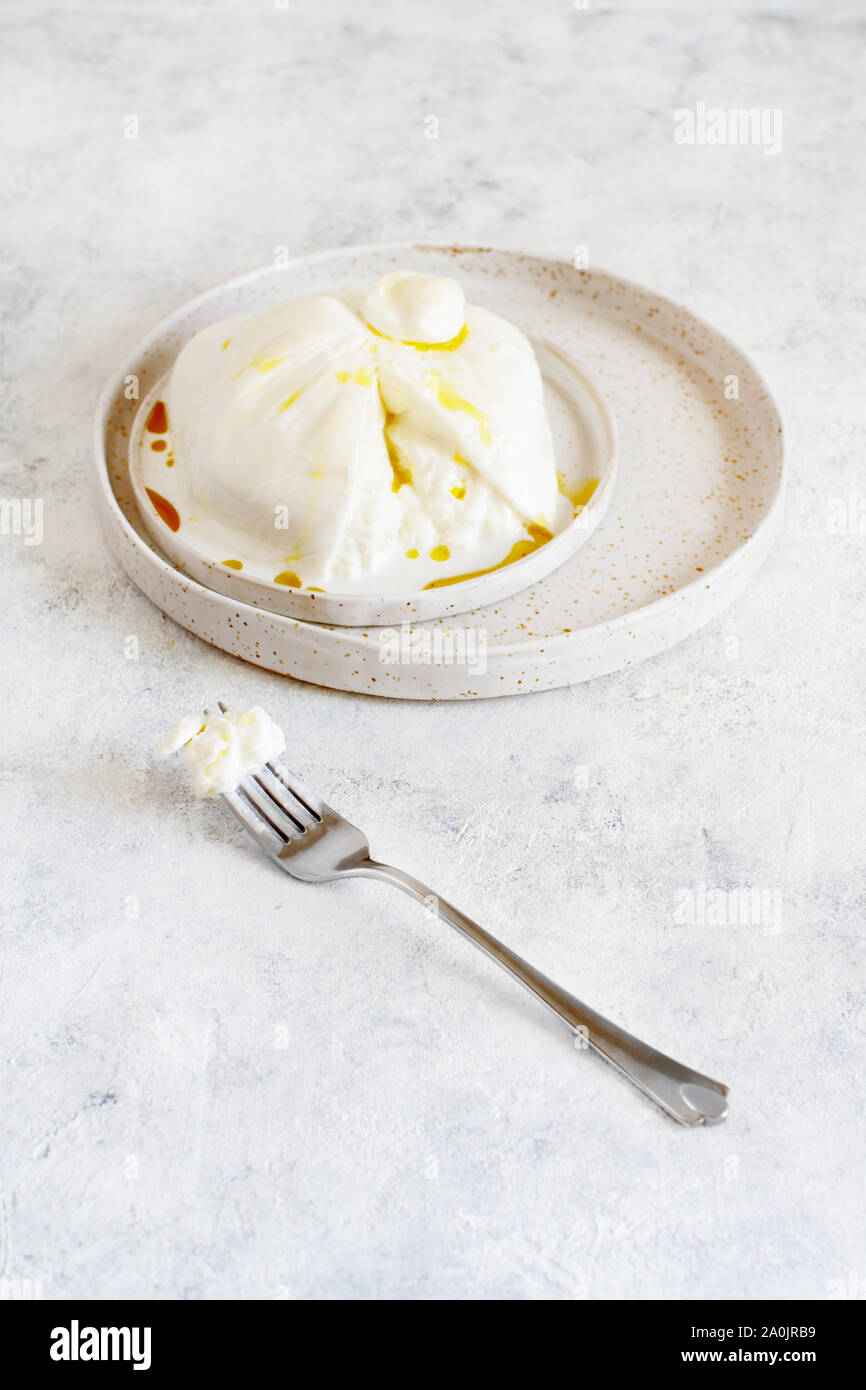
(219, 750)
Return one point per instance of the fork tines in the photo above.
(271, 806)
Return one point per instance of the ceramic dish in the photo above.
(584, 439)
(697, 501)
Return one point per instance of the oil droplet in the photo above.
(411, 554)
(314, 589)
(440, 552)
(158, 445)
(226, 343)
(342, 376)
(517, 552)
(364, 377)
(157, 420)
(450, 346)
(233, 564)
(291, 400)
(464, 463)
(459, 493)
(402, 474)
(582, 496)
(267, 364)
(289, 578)
(164, 509)
(447, 396)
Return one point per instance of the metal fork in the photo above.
(311, 841)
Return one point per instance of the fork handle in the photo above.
(686, 1095)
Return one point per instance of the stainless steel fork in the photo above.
(311, 841)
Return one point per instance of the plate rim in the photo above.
(758, 541)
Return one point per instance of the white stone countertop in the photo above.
(221, 1083)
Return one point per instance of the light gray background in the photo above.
(221, 1083)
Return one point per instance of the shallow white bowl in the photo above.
(585, 446)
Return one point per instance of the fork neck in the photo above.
(372, 868)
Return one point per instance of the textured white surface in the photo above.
(222, 1083)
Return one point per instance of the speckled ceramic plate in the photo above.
(696, 505)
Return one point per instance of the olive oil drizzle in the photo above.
(539, 536)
